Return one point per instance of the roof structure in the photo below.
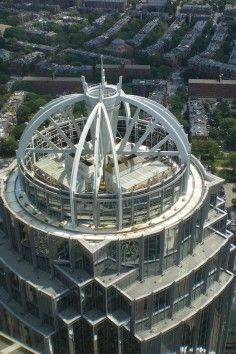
(124, 146)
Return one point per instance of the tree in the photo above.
(232, 160)
(205, 149)
(34, 104)
(21, 86)
(23, 114)
(224, 108)
(15, 32)
(1, 102)
(214, 133)
(225, 126)
(18, 130)
(184, 122)
(230, 141)
(163, 72)
(79, 109)
(8, 147)
(30, 106)
(175, 102)
(12, 20)
(3, 78)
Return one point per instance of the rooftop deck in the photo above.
(180, 210)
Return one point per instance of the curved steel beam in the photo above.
(43, 114)
(168, 121)
(116, 165)
(96, 165)
(75, 167)
(169, 117)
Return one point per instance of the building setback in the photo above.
(113, 236)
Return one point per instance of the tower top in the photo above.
(122, 147)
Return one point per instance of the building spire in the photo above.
(103, 78)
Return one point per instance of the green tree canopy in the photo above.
(205, 149)
(18, 130)
(23, 114)
(232, 160)
(15, 32)
(3, 78)
(8, 147)
(175, 102)
(230, 141)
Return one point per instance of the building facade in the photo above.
(113, 236)
(215, 89)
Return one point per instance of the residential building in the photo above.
(86, 54)
(216, 41)
(158, 5)
(54, 85)
(139, 37)
(107, 4)
(5, 55)
(132, 71)
(143, 87)
(216, 89)
(26, 63)
(52, 69)
(8, 113)
(197, 9)
(104, 38)
(232, 59)
(164, 42)
(209, 68)
(179, 54)
(119, 48)
(198, 119)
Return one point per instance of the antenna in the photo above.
(119, 86)
(84, 84)
(103, 78)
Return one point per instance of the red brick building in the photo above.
(212, 88)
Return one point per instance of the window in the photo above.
(3, 282)
(161, 300)
(93, 297)
(152, 248)
(31, 300)
(171, 236)
(199, 277)
(141, 307)
(168, 198)
(130, 252)
(187, 230)
(181, 288)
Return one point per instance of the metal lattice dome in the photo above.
(90, 169)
